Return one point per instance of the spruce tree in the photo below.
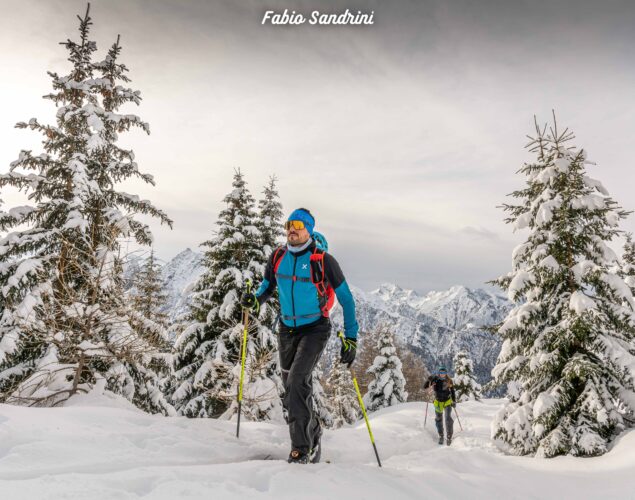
(269, 223)
(320, 401)
(465, 385)
(565, 354)
(207, 352)
(148, 295)
(366, 353)
(148, 301)
(627, 269)
(65, 325)
(388, 386)
(270, 217)
(415, 372)
(342, 403)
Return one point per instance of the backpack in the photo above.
(326, 294)
(320, 241)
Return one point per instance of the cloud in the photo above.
(480, 232)
(402, 137)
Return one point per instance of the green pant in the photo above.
(441, 407)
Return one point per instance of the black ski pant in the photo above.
(300, 351)
(449, 422)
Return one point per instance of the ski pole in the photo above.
(361, 404)
(457, 418)
(425, 420)
(243, 353)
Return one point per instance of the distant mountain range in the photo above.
(438, 324)
(435, 325)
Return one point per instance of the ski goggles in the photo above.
(295, 224)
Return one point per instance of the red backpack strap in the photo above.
(318, 278)
(278, 254)
(317, 267)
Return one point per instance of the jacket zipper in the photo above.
(295, 261)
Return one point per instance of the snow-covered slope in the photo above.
(101, 448)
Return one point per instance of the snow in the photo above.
(589, 202)
(562, 164)
(595, 184)
(518, 283)
(100, 447)
(543, 404)
(580, 302)
(547, 175)
(582, 268)
(21, 211)
(546, 210)
(523, 221)
(550, 262)
(620, 287)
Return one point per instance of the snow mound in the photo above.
(101, 448)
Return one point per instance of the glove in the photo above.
(249, 301)
(348, 351)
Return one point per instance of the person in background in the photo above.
(444, 401)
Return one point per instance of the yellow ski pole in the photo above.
(361, 404)
(243, 355)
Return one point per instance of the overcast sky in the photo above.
(401, 137)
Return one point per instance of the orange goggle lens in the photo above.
(295, 224)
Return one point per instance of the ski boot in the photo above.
(298, 457)
(441, 439)
(448, 441)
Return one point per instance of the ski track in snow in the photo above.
(101, 448)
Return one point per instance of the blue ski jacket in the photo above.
(299, 300)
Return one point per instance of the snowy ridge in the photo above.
(439, 324)
(100, 447)
(179, 274)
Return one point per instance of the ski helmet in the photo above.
(320, 241)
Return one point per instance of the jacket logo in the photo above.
(305, 266)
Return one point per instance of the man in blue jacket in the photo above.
(304, 276)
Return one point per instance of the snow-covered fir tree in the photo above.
(342, 403)
(320, 402)
(270, 217)
(465, 385)
(207, 351)
(269, 223)
(565, 355)
(388, 385)
(148, 300)
(147, 293)
(627, 269)
(66, 326)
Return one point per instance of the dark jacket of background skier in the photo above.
(443, 387)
